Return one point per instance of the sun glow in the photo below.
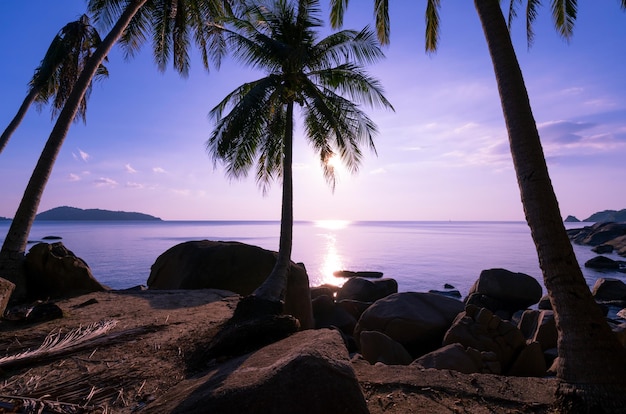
(332, 224)
(332, 262)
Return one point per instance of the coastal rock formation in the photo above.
(418, 321)
(504, 290)
(459, 358)
(232, 266)
(480, 329)
(604, 263)
(365, 290)
(609, 289)
(53, 271)
(6, 289)
(309, 372)
(610, 233)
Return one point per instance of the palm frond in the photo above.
(383, 26)
(564, 15)
(531, 15)
(56, 342)
(337, 9)
(432, 25)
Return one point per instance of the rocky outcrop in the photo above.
(418, 321)
(608, 289)
(365, 290)
(53, 271)
(309, 372)
(605, 263)
(6, 289)
(232, 266)
(501, 289)
(601, 233)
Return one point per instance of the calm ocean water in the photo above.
(419, 255)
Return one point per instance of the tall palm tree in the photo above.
(171, 23)
(324, 78)
(58, 71)
(591, 363)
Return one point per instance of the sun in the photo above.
(333, 161)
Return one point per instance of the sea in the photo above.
(419, 255)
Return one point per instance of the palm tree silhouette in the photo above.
(58, 71)
(324, 78)
(591, 362)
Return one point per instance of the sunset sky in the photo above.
(442, 155)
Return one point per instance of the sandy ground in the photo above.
(155, 339)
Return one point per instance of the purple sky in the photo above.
(443, 155)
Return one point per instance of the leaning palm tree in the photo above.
(324, 78)
(591, 362)
(172, 25)
(58, 71)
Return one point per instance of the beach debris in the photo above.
(57, 343)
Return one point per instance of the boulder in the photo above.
(480, 329)
(366, 290)
(327, 314)
(457, 358)
(529, 363)
(602, 249)
(378, 347)
(6, 289)
(309, 372)
(232, 266)
(539, 326)
(602, 262)
(515, 290)
(544, 303)
(417, 321)
(609, 289)
(53, 271)
(597, 234)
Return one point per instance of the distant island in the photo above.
(93, 214)
(601, 217)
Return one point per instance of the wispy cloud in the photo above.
(130, 169)
(158, 170)
(73, 177)
(105, 182)
(81, 155)
(130, 184)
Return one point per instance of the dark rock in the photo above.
(602, 249)
(545, 303)
(322, 291)
(418, 321)
(457, 358)
(353, 307)
(529, 363)
(448, 286)
(377, 347)
(602, 262)
(480, 329)
(609, 289)
(309, 373)
(571, 219)
(365, 274)
(539, 326)
(6, 289)
(365, 290)
(232, 266)
(597, 234)
(51, 238)
(53, 271)
(514, 290)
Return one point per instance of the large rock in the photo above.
(233, 266)
(309, 372)
(539, 326)
(377, 347)
(6, 289)
(599, 233)
(366, 290)
(514, 290)
(457, 358)
(53, 271)
(609, 289)
(417, 321)
(603, 263)
(480, 329)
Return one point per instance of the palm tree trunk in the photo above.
(273, 288)
(592, 363)
(17, 120)
(12, 253)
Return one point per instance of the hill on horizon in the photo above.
(92, 214)
(602, 217)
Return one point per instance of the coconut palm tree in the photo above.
(323, 78)
(591, 363)
(171, 23)
(58, 71)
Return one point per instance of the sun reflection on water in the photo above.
(332, 260)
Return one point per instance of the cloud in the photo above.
(130, 169)
(82, 155)
(564, 132)
(105, 182)
(158, 170)
(131, 184)
(73, 177)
